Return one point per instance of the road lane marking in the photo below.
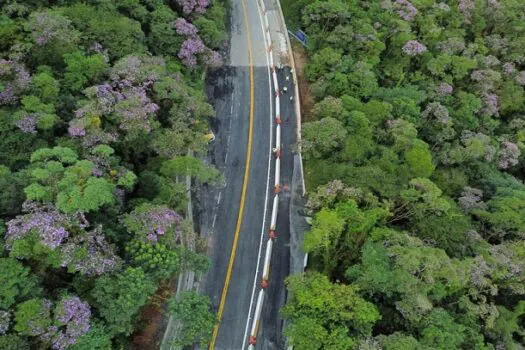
(244, 184)
(252, 298)
(214, 219)
(229, 133)
(231, 109)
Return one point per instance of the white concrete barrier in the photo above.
(277, 171)
(267, 258)
(275, 209)
(278, 137)
(275, 82)
(257, 315)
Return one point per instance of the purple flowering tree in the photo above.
(508, 155)
(89, 254)
(471, 198)
(466, 7)
(508, 68)
(445, 89)
(520, 78)
(436, 111)
(413, 48)
(47, 26)
(137, 70)
(124, 101)
(331, 193)
(44, 220)
(183, 27)
(486, 79)
(14, 80)
(33, 317)
(86, 252)
(405, 9)
(70, 321)
(150, 222)
(478, 145)
(5, 320)
(189, 49)
(212, 58)
(71, 316)
(193, 46)
(452, 45)
(27, 124)
(507, 261)
(189, 6)
(491, 104)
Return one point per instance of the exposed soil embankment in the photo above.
(307, 100)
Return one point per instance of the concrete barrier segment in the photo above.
(275, 210)
(257, 315)
(267, 257)
(277, 171)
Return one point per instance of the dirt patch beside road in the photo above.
(153, 319)
(307, 100)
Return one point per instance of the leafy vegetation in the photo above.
(101, 102)
(193, 312)
(414, 164)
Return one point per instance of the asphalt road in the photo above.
(229, 88)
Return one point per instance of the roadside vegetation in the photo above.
(100, 102)
(414, 163)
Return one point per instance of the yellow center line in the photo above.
(244, 184)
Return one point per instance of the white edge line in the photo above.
(267, 188)
(214, 219)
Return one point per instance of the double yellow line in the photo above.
(244, 183)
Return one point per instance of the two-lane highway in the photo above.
(235, 217)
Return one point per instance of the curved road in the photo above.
(236, 216)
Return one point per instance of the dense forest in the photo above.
(414, 163)
(100, 103)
